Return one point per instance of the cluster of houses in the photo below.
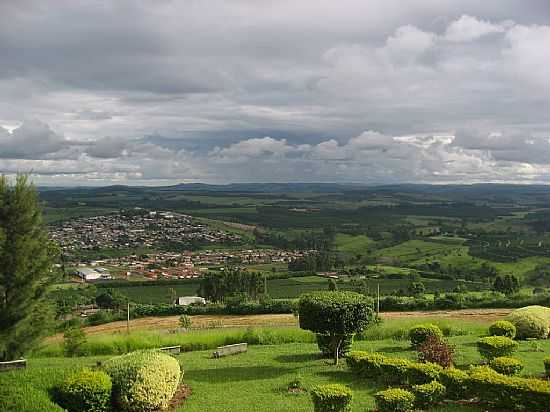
(144, 229)
(187, 265)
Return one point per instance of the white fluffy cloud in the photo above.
(154, 91)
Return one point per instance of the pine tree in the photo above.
(26, 260)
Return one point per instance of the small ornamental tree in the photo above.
(338, 315)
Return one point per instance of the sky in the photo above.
(153, 92)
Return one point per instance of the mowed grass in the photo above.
(257, 381)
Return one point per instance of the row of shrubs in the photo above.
(491, 387)
(135, 382)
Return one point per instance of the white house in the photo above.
(188, 300)
(91, 274)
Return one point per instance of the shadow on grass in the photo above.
(352, 380)
(394, 349)
(236, 373)
(298, 357)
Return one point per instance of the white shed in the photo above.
(189, 300)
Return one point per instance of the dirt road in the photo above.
(204, 321)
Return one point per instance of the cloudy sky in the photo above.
(366, 91)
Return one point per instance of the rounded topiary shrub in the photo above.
(420, 333)
(336, 316)
(394, 400)
(143, 380)
(86, 390)
(531, 322)
(492, 347)
(506, 365)
(503, 328)
(331, 398)
(428, 394)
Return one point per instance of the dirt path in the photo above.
(204, 321)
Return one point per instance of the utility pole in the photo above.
(378, 299)
(128, 319)
(265, 284)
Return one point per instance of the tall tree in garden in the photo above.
(335, 317)
(26, 268)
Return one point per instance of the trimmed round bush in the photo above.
(547, 366)
(331, 398)
(420, 333)
(394, 400)
(506, 365)
(86, 390)
(455, 382)
(143, 380)
(337, 315)
(492, 347)
(531, 322)
(503, 328)
(428, 394)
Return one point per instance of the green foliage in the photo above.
(531, 322)
(143, 380)
(503, 328)
(86, 390)
(492, 347)
(455, 382)
(185, 321)
(547, 366)
(422, 373)
(217, 286)
(324, 342)
(74, 340)
(26, 258)
(394, 371)
(428, 394)
(331, 398)
(366, 364)
(23, 397)
(505, 392)
(337, 314)
(506, 284)
(506, 366)
(420, 333)
(394, 400)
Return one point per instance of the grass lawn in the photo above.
(257, 381)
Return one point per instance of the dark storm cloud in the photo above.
(255, 90)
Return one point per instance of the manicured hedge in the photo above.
(506, 366)
(394, 400)
(492, 347)
(531, 322)
(456, 382)
(420, 333)
(392, 371)
(428, 394)
(331, 398)
(503, 328)
(143, 380)
(86, 390)
(505, 392)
